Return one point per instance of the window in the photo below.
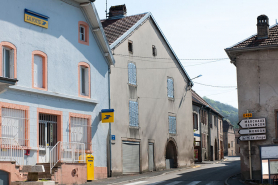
(170, 87)
(215, 121)
(79, 131)
(172, 125)
(84, 79)
(8, 60)
(39, 66)
(130, 46)
(154, 51)
(14, 123)
(195, 121)
(133, 114)
(83, 33)
(232, 143)
(132, 73)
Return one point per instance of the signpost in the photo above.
(252, 131)
(252, 137)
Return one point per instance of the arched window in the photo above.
(8, 60)
(39, 70)
(84, 82)
(83, 33)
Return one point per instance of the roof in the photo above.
(114, 28)
(92, 18)
(118, 29)
(199, 100)
(253, 42)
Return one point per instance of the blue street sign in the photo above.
(113, 137)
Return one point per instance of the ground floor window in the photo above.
(15, 124)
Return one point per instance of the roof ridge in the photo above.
(117, 17)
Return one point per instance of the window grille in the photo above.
(132, 74)
(79, 129)
(14, 125)
(170, 87)
(172, 125)
(133, 114)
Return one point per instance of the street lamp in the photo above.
(196, 77)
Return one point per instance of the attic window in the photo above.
(130, 46)
(154, 50)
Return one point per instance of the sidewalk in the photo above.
(130, 178)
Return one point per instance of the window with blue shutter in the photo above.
(170, 87)
(133, 114)
(172, 125)
(131, 73)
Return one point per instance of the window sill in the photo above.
(58, 95)
(131, 85)
(171, 134)
(171, 99)
(134, 127)
(9, 81)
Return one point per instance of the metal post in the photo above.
(250, 161)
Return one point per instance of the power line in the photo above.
(216, 86)
(171, 58)
(221, 93)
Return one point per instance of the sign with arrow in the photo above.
(252, 138)
(252, 131)
(252, 123)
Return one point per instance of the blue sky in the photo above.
(202, 29)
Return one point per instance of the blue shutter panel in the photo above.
(172, 125)
(131, 73)
(170, 88)
(133, 114)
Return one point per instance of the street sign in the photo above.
(252, 123)
(253, 137)
(252, 131)
(247, 115)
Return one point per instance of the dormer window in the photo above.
(154, 50)
(130, 46)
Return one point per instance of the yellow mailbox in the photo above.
(90, 167)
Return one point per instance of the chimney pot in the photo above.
(262, 27)
(117, 11)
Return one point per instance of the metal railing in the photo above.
(66, 152)
(11, 150)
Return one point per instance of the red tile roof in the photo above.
(115, 28)
(254, 42)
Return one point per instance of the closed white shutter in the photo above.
(172, 125)
(84, 80)
(79, 130)
(13, 124)
(131, 157)
(133, 114)
(170, 88)
(132, 73)
(38, 71)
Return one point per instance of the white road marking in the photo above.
(194, 183)
(173, 183)
(134, 183)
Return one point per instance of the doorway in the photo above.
(4, 178)
(47, 136)
(151, 157)
(215, 150)
(171, 155)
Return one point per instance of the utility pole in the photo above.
(106, 14)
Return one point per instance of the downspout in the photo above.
(109, 134)
(201, 135)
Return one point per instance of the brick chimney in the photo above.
(117, 11)
(262, 27)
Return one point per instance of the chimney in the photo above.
(262, 27)
(117, 11)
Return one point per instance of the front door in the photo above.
(47, 136)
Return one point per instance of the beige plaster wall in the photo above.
(154, 105)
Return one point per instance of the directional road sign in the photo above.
(253, 137)
(252, 131)
(252, 123)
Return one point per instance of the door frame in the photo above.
(59, 115)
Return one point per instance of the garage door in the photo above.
(4, 178)
(131, 157)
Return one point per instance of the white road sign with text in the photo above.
(252, 131)
(253, 137)
(252, 123)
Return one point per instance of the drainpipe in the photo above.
(201, 135)
(109, 134)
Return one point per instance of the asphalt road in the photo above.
(206, 174)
